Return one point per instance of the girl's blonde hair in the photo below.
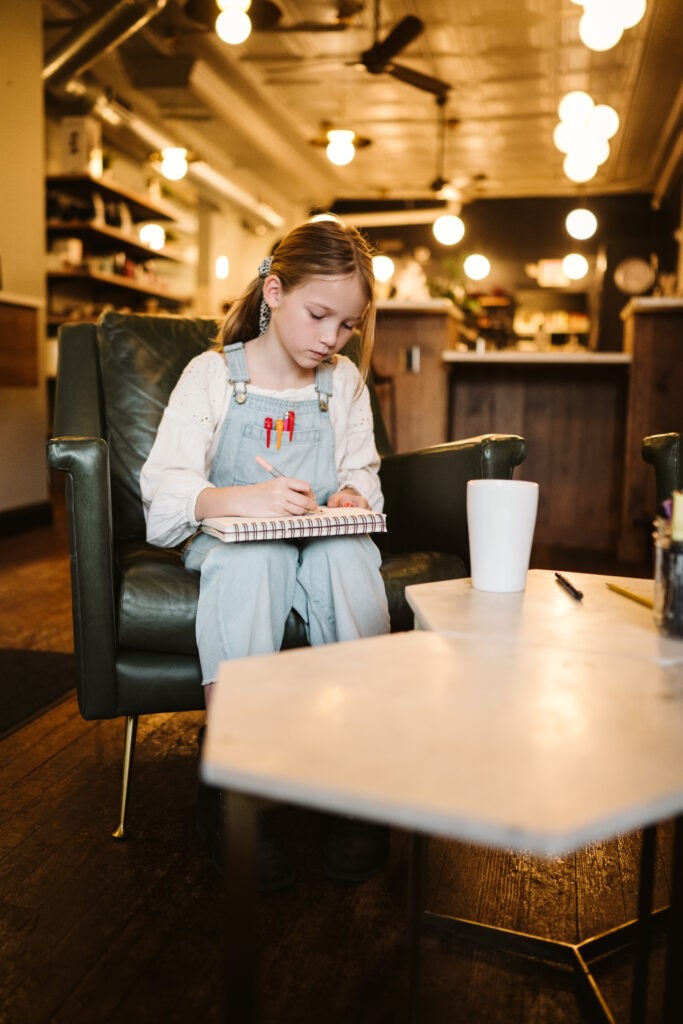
(316, 249)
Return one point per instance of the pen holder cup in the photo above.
(668, 599)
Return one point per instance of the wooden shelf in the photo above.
(80, 288)
(116, 281)
(141, 208)
(94, 230)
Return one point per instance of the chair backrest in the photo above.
(140, 359)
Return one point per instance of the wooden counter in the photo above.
(653, 335)
(19, 340)
(412, 379)
(571, 408)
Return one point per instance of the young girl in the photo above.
(278, 356)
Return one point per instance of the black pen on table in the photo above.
(569, 587)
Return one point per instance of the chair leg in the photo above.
(128, 752)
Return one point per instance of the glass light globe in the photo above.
(222, 267)
(233, 26)
(581, 223)
(340, 149)
(477, 267)
(593, 148)
(580, 167)
(631, 12)
(152, 235)
(575, 107)
(575, 266)
(568, 136)
(603, 121)
(448, 229)
(600, 28)
(383, 268)
(174, 163)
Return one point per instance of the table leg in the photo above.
(419, 846)
(644, 924)
(239, 858)
(673, 981)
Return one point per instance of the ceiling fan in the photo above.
(461, 189)
(379, 59)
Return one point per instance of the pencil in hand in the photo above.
(276, 472)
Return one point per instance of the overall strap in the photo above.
(237, 368)
(323, 383)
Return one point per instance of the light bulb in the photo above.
(340, 149)
(233, 26)
(631, 12)
(222, 267)
(580, 167)
(567, 136)
(383, 268)
(576, 107)
(448, 229)
(234, 5)
(581, 223)
(603, 121)
(591, 148)
(152, 235)
(574, 266)
(174, 163)
(477, 267)
(600, 29)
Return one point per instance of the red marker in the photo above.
(268, 424)
(290, 417)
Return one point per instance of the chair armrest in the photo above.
(425, 492)
(663, 451)
(85, 460)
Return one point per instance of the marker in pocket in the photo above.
(268, 425)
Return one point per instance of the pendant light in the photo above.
(448, 228)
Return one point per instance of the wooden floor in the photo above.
(97, 931)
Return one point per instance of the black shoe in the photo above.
(274, 866)
(354, 850)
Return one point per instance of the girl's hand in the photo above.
(283, 496)
(347, 496)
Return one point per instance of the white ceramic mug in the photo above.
(501, 517)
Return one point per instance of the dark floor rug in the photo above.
(31, 682)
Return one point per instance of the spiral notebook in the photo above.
(326, 522)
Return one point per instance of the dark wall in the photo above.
(516, 232)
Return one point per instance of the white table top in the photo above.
(603, 622)
(508, 744)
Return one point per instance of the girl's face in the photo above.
(316, 319)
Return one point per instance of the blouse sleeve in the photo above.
(357, 459)
(178, 466)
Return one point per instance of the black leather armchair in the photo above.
(134, 605)
(665, 453)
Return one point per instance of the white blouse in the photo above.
(179, 463)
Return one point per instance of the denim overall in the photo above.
(247, 590)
